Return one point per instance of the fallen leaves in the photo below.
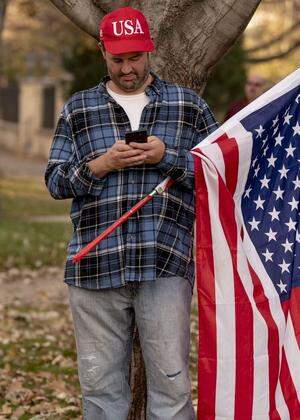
(38, 370)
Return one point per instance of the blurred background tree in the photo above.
(84, 62)
(227, 79)
(38, 41)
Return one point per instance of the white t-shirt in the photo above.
(133, 105)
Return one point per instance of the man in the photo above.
(144, 271)
(254, 87)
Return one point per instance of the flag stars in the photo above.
(275, 121)
(254, 162)
(260, 130)
(274, 214)
(293, 204)
(297, 183)
(290, 151)
(297, 98)
(256, 170)
(279, 193)
(254, 224)
(247, 192)
(282, 287)
(283, 172)
(287, 246)
(271, 235)
(268, 255)
(259, 203)
(284, 266)
(296, 129)
(278, 140)
(271, 161)
(291, 224)
(287, 118)
(264, 182)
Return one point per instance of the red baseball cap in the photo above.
(125, 30)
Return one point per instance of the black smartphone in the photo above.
(139, 136)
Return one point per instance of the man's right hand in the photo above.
(120, 155)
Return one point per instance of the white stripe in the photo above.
(225, 302)
(281, 404)
(260, 341)
(267, 285)
(244, 142)
(284, 86)
(260, 329)
(292, 353)
(213, 152)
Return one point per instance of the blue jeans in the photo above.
(104, 321)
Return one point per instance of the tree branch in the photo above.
(84, 13)
(107, 6)
(273, 56)
(274, 40)
(3, 6)
(173, 10)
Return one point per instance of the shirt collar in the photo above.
(151, 90)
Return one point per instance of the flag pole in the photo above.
(159, 189)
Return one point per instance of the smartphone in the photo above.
(139, 136)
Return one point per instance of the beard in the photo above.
(132, 81)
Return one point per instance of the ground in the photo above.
(38, 372)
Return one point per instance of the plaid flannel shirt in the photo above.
(158, 240)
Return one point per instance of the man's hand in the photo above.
(120, 155)
(154, 149)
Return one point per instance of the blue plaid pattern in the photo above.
(158, 240)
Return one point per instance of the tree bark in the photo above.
(190, 35)
(3, 7)
(190, 38)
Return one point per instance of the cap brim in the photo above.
(127, 46)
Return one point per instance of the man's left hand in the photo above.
(154, 149)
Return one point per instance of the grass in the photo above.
(37, 348)
(38, 372)
(23, 241)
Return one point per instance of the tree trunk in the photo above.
(190, 38)
(190, 35)
(3, 6)
(137, 381)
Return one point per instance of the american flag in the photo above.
(248, 261)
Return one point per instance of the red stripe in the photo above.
(207, 356)
(230, 153)
(295, 311)
(243, 309)
(263, 306)
(288, 389)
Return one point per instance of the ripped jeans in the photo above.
(104, 321)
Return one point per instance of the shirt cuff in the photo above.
(168, 162)
(83, 179)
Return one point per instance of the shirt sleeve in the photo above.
(178, 163)
(65, 177)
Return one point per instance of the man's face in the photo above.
(128, 71)
(254, 87)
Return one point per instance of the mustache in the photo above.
(127, 74)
